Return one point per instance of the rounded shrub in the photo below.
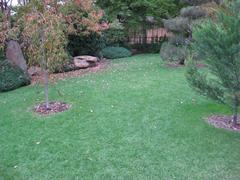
(115, 52)
(170, 52)
(11, 76)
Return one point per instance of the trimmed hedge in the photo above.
(11, 77)
(115, 52)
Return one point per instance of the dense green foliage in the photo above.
(136, 120)
(218, 43)
(134, 12)
(11, 77)
(90, 44)
(2, 54)
(115, 52)
(93, 43)
(115, 35)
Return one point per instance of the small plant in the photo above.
(115, 52)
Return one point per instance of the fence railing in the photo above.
(152, 36)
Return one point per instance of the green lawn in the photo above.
(136, 120)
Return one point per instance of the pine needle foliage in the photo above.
(218, 43)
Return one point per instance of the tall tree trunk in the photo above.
(44, 68)
(235, 111)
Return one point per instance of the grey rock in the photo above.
(14, 54)
(87, 58)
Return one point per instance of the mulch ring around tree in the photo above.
(223, 122)
(54, 107)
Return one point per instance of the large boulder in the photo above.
(14, 54)
(85, 61)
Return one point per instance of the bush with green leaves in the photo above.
(115, 52)
(11, 76)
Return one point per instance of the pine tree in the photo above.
(218, 43)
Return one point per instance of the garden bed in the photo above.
(60, 76)
(54, 107)
(223, 122)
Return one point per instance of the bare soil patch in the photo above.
(223, 122)
(54, 107)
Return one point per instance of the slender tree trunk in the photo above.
(44, 68)
(235, 111)
(46, 88)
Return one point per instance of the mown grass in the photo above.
(136, 120)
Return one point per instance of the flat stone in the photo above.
(90, 59)
(81, 63)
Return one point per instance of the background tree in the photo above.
(138, 13)
(176, 49)
(218, 42)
